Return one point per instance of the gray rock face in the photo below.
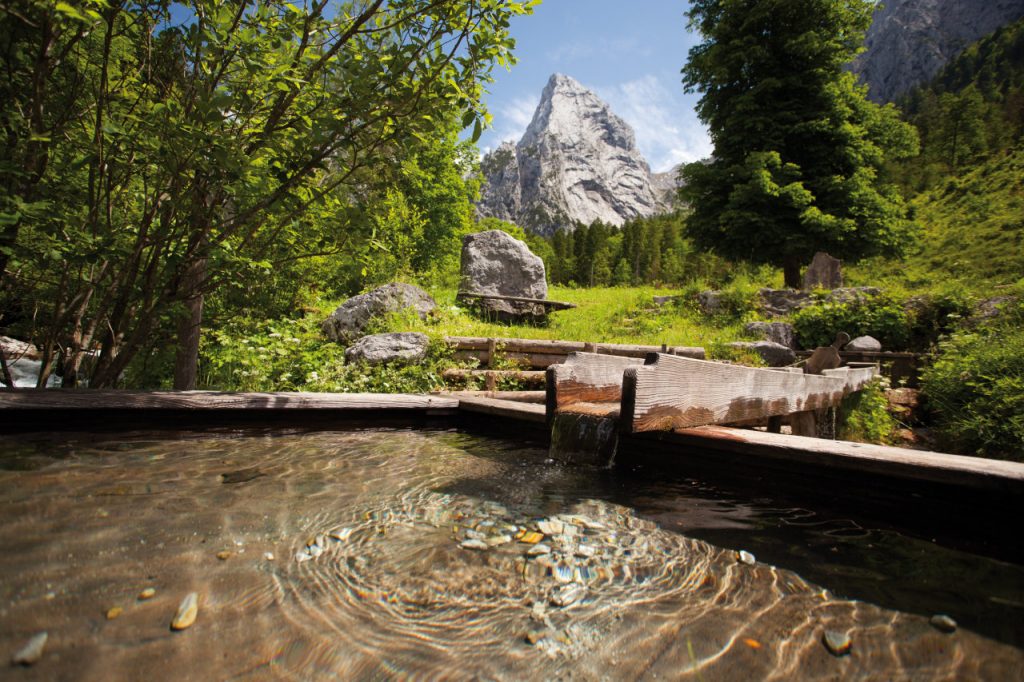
(494, 262)
(911, 40)
(710, 302)
(778, 302)
(824, 272)
(396, 347)
(864, 343)
(350, 319)
(576, 162)
(774, 354)
(781, 333)
(853, 294)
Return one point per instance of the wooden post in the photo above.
(804, 423)
(490, 381)
(492, 349)
(590, 347)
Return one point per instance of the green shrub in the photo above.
(975, 388)
(932, 316)
(864, 416)
(880, 317)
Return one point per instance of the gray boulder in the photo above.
(864, 343)
(407, 348)
(779, 302)
(853, 294)
(350, 319)
(774, 354)
(710, 302)
(824, 272)
(781, 333)
(496, 263)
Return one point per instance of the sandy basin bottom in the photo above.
(398, 592)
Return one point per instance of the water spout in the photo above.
(584, 439)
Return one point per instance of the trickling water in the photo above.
(584, 439)
(397, 554)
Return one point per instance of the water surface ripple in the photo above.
(423, 555)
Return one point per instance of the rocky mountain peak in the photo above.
(577, 162)
(911, 40)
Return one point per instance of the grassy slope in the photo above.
(610, 315)
(972, 235)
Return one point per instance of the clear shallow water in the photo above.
(645, 564)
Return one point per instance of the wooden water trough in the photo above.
(667, 392)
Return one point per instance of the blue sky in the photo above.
(628, 51)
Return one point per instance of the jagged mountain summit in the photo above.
(577, 162)
(911, 40)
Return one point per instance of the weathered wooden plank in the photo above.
(586, 378)
(673, 392)
(797, 452)
(50, 399)
(556, 347)
(856, 378)
(530, 378)
(552, 305)
(517, 396)
(510, 409)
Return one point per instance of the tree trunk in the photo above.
(791, 273)
(186, 362)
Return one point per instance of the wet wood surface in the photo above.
(673, 392)
(882, 460)
(52, 399)
(587, 378)
(530, 412)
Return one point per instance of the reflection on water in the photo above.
(398, 554)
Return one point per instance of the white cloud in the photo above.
(667, 131)
(513, 118)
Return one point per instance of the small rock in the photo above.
(745, 557)
(314, 551)
(534, 636)
(538, 611)
(563, 573)
(269, 556)
(31, 652)
(473, 543)
(586, 551)
(495, 540)
(241, 476)
(407, 348)
(539, 549)
(773, 354)
(303, 555)
(864, 343)
(941, 621)
(342, 534)
(187, 612)
(550, 527)
(837, 643)
(531, 537)
(114, 612)
(224, 555)
(568, 595)
(147, 593)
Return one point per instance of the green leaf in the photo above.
(478, 130)
(468, 118)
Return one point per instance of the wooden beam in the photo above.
(510, 409)
(518, 396)
(530, 378)
(556, 347)
(586, 379)
(672, 392)
(552, 305)
(86, 399)
(797, 452)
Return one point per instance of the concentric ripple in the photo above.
(421, 555)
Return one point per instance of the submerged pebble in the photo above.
(539, 549)
(114, 612)
(565, 596)
(837, 643)
(550, 527)
(147, 593)
(31, 652)
(473, 543)
(495, 540)
(941, 621)
(224, 555)
(342, 534)
(531, 537)
(745, 557)
(187, 612)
